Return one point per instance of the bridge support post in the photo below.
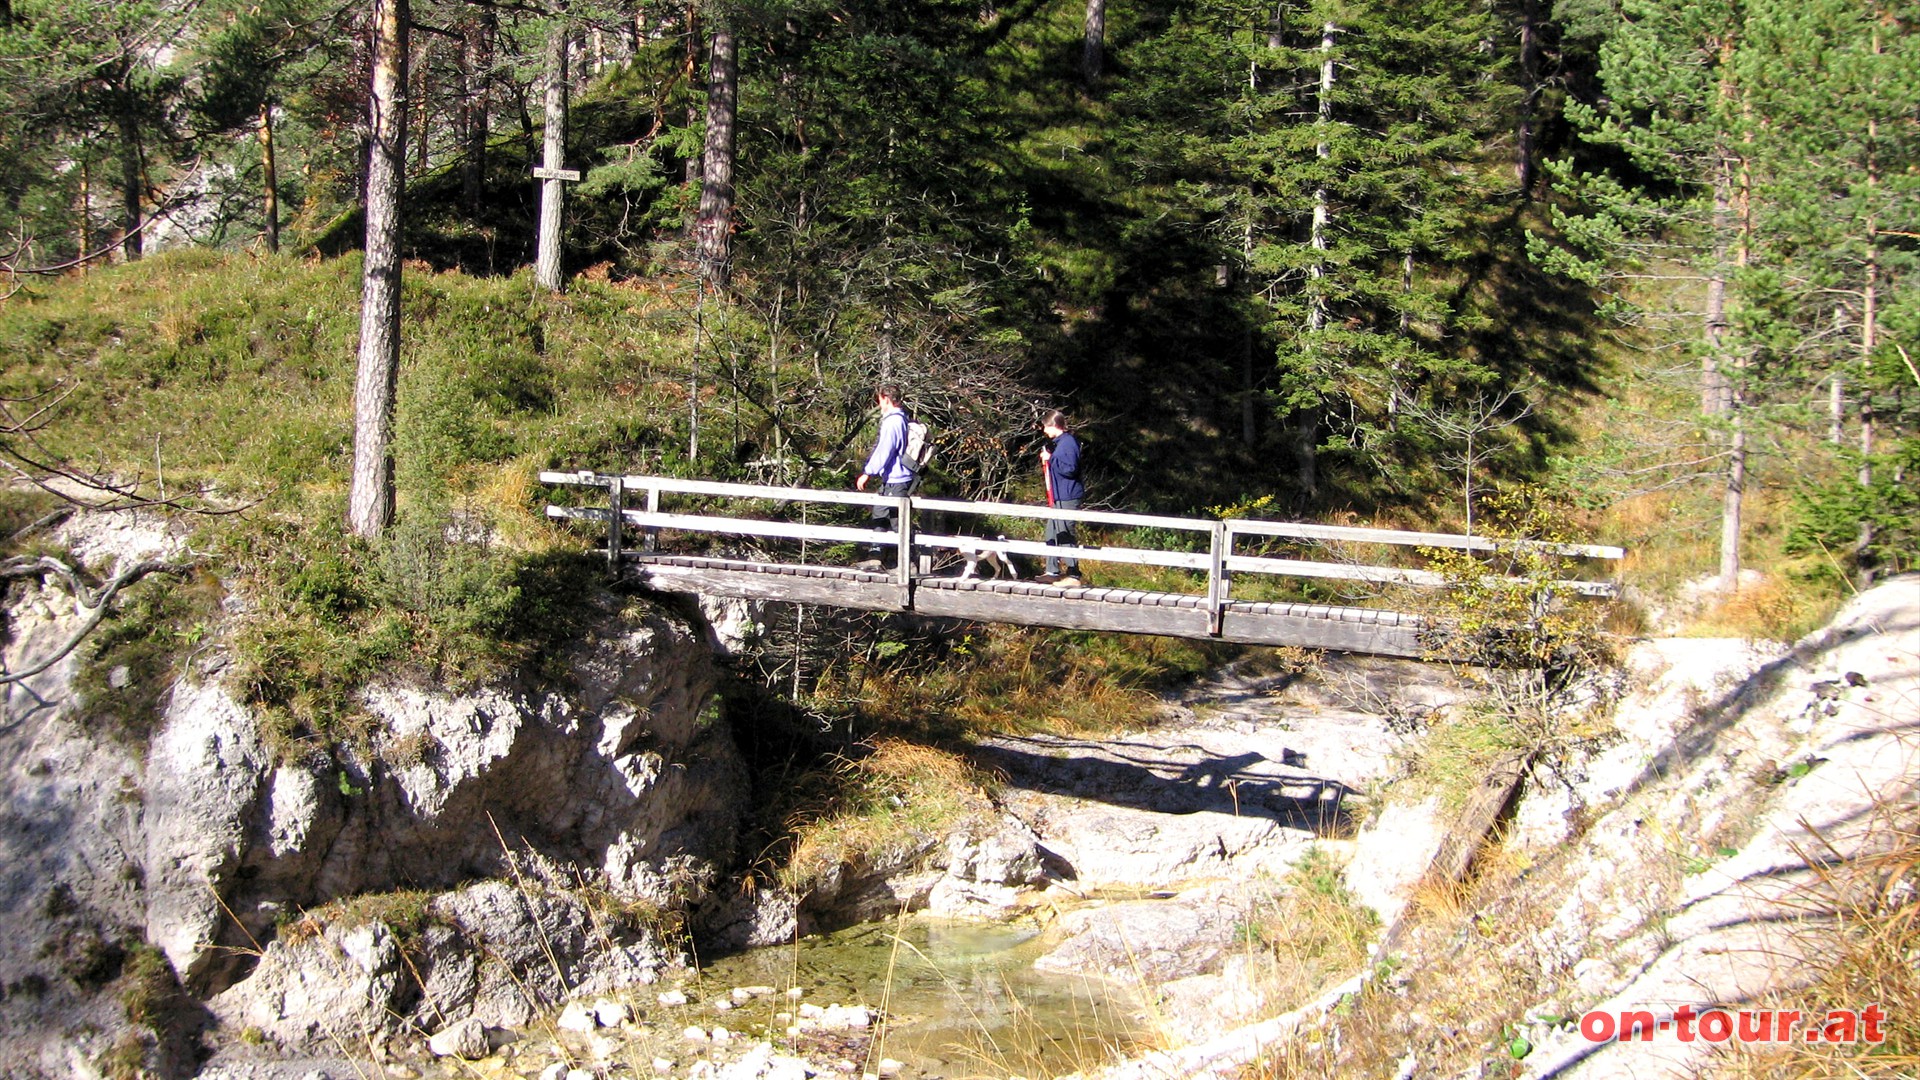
(903, 559)
(616, 522)
(1217, 577)
(651, 537)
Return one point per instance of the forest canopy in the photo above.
(1343, 257)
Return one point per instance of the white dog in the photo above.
(980, 553)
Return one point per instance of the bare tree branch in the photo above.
(91, 604)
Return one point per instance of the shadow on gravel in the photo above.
(1180, 779)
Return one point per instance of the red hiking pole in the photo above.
(1046, 473)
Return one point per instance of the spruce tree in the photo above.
(1677, 111)
(1337, 152)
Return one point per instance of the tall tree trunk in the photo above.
(370, 500)
(86, 209)
(1869, 340)
(1714, 387)
(1739, 171)
(1093, 47)
(714, 228)
(269, 179)
(1836, 409)
(696, 48)
(476, 62)
(1223, 277)
(422, 73)
(131, 245)
(1734, 497)
(1307, 422)
(1526, 131)
(553, 190)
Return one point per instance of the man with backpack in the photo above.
(893, 465)
(1060, 465)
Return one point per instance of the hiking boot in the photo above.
(1045, 579)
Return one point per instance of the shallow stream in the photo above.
(963, 999)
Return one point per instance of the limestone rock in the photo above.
(464, 1039)
(71, 852)
(206, 773)
(1145, 941)
(337, 984)
(577, 1016)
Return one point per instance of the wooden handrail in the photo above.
(1219, 562)
(1398, 537)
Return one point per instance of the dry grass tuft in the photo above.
(1863, 917)
(880, 808)
(1309, 933)
(1449, 1004)
(1775, 608)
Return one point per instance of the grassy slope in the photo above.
(236, 371)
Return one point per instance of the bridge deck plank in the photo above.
(1108, 609)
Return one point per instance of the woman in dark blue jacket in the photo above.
(1060, 464)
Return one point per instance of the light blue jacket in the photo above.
(889, 458)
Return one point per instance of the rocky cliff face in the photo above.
(616, 779)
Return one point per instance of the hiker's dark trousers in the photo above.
(886, 521)
(1061, 532)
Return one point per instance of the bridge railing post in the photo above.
(903, 559)
(651, 536)
(616, 521)
(1217, 575)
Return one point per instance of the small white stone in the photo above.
(466, 1039)
(555, 1071)
(672, 998)
(577, 1016)
(740, 994)
(721, 1035)
(796, 992)
(758, 991)
(662, 1066)
(783, 1067)
(581, 1074)
(890, 1067)
(722, 1004)
(847, 1017)
(611, 1013)
(695, 1033)
(811, 1011)
(603, 1047)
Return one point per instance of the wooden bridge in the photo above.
(1213, 552)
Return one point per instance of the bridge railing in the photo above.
(636, 501)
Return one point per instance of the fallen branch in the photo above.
(91, 604)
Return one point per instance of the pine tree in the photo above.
(84, 77)
(1678, 111)
(1835, 82)
(370, 500)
